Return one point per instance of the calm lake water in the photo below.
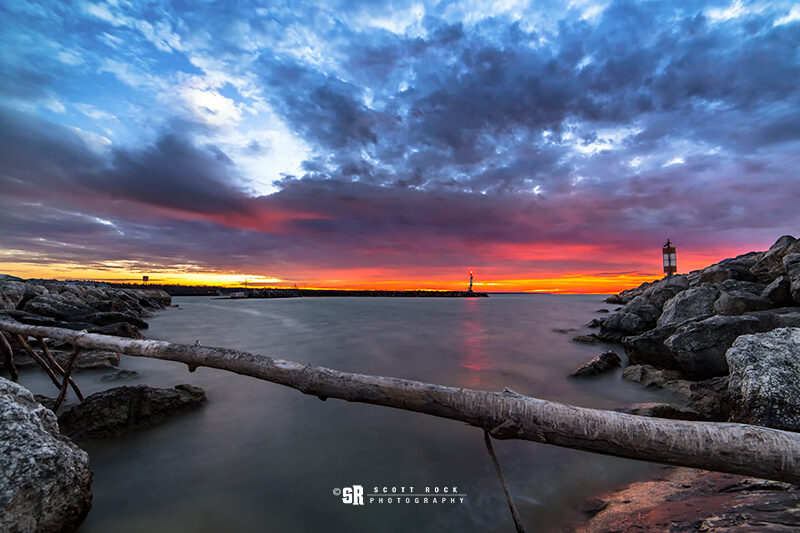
(261, 457)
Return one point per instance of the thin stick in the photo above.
(62, 393)
(514, 513)
(35, 356)
(8, 355)
(54, 364)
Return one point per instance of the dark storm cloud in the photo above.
(432, 139)
(38, 157)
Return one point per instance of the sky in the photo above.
(548, 145)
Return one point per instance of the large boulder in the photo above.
(620, 324)
(765, 378)
(778, 292)
(115, 411)
(45, 480)
(667, 288)
(739, 303)
(629, 294)
(649, 348)
(791, 264)
(644, 309)
(735, 268)
(698, 348)
(64, 306)
(770, 265)
(12, 291)
(692, 304)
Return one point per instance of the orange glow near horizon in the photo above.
(487, 279)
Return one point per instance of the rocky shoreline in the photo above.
(45, 478)
(725, 340)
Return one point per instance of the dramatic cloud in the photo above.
(353, 141)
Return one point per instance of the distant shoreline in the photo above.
(338, 293)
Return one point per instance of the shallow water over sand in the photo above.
(261, 457)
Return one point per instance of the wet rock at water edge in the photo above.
(587, 339)
(601, 363)
(116, 411)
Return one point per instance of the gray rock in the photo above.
(120, 329)
(114, 412)
(698, 348)
(735, 268)
(710, 397)
(644, 309)
(628, 295)
(58, 306)
(45, 480)
(600, 363)
(731, 285)
(739, 303)
(778, 292)
(111, 317)
(595, 323)
(11, 293)
(587, 339)
(765, 378)
(791, 264)
(666, 289)
(649, 347)
(651, 377)
(696, 303)
(770, 265)
(621, 324)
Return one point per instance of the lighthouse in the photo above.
(670, 263)
(470, 281)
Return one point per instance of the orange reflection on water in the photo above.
(475, 359)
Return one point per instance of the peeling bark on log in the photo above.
(733, 448)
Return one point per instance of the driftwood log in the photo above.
(733, 448)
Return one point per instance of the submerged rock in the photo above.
(115, 411)
(600, 363)
(45, 480)
(765, 378)
(587, 339)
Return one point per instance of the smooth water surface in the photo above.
(262, 457)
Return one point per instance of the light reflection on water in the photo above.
(263, 457)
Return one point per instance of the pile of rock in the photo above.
(93, 307)
(97, 308)
(722, 337)
(687, 322)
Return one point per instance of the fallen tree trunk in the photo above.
(733, 448)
